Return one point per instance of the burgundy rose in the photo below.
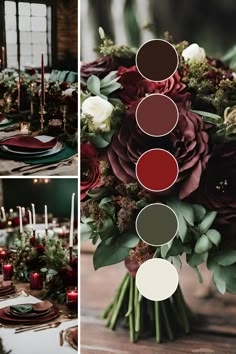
(218, 188)
(90, 170)
(134, 86)
(188, 142)
(70, 276)
(40, 248)
(103, 66)
(32, 241)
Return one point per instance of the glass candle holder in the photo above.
(25, 128)
(36, 281)
(3, 254)
(72, 297)
(7, 270)
(55, 126)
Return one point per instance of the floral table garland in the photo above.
(203, 197)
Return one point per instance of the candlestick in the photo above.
(23, 211)
(46, 216)
(72, 221)
(42, 112)
(7, 271)
(3, 213)
(34, 217)
(3, 58)
(42, 81)
(30, 218)
(36, 281)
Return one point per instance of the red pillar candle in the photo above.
(36, 281)
(7, 271)
(42, 81)
(72, 296)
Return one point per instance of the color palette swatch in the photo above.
(157, 170)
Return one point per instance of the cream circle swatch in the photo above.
(157, 279)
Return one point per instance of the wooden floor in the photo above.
(216, 335)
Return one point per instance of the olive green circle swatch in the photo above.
(157, 224)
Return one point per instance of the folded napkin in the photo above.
(3, 119)
(22, 308)
(25, 142)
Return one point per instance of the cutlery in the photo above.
(37, 327)
(50, 167)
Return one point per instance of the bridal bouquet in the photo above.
(203, 196)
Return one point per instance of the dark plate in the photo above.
(12, 313)
(8, 291)
(54, 313)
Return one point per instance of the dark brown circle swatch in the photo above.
(157, 224)
(157, 60)
(157, 115)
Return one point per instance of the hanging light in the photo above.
(41, 180)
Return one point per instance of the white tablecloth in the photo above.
(30, 342)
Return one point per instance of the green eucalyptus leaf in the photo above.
(107, 228)
(108, 136)
(129, 239)
(93, 85)
(219, 281)
(206, 223)
(187, 211)
(106, 255)
(195, 260)
(177, 261)
(164, 250)
(86, 232)
(202, 245)
(199, 212)
(97, 192)
(109, 77)
(199, 276)
(214, 236)
(208, 115)
(226, 258)
(99, 141)
(111, 88)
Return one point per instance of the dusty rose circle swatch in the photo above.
(157, 60)
(157, 115)
(157, 170)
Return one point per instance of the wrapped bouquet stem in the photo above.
(165, 319)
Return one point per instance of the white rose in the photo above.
(68, 92)
(194, 53)
(100, 110)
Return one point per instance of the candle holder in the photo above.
(36, 281)
(33, 90)
(25, 128)
(72, 298)
(7, 270)
(64, 111)
(3, 254)
(42, 112)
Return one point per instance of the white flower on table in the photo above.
(100, 110)
(194, 53)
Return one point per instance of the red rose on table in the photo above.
(40, 248)
(135, 86)
(90, 170)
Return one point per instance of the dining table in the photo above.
(47, 341)
(64, 164)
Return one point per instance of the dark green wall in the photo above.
(56, 194)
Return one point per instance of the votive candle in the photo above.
(36, 281)
(7, 271)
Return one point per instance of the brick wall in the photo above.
(67, 35)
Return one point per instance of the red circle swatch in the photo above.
(157, 170)
(157, 115)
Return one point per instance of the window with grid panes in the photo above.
(28, 29)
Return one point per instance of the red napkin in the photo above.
(25, 142)
(75, 336)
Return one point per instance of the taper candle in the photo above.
(3, 213)
(20, 218)
(46, 216)
(72, 220)
(33, 214)
(42, 81)
(30, 218)
(3, 58)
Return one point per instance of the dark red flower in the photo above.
(90, 170)
(188, 142)
(134, 86)
(40, 248)
(32, 241)
(217, 190)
